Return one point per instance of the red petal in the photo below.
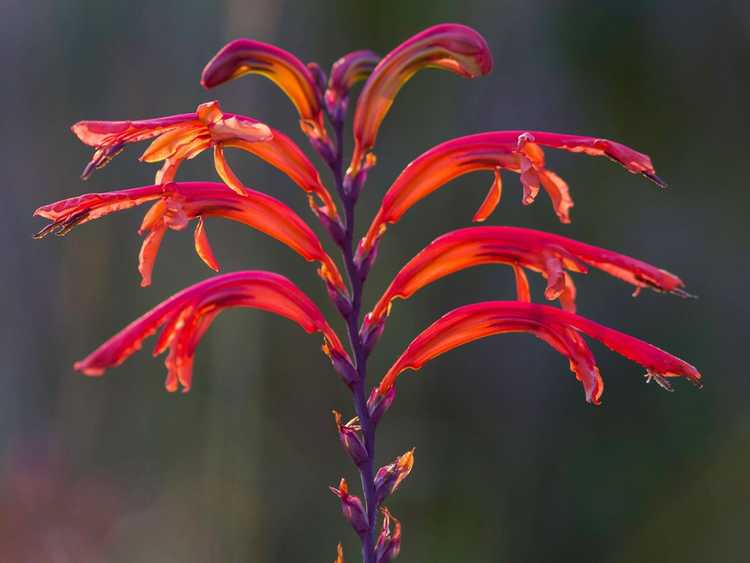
(203, 247)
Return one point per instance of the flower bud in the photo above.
(349, 434)
(389, 477)
(343, 367)
(389, 542)
(351, 507)
(379, 402)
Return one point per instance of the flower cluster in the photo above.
(322, 102)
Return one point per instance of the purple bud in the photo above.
(389, 542)
(319, 75)
(365, 262)
(370, 333)
(389, 477)
(351, 508)
(334, 228)
(349, 434)
(344, 368)
(377, 404)
(342, 302)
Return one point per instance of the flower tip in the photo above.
(656, 180)
(679, 292)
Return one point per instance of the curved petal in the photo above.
(245, 56)
(188, 314)
(181, 202)
(554, 326)
(545, 253)
(345, 73)
(452, 47)
(516, 151)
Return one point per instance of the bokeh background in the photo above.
(512, 464)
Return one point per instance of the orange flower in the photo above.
(245, 56)
(554, 326)
(187, 315)
(182, 137)
(178, 203)
(517, 151)
(452, 47)
(546, 253)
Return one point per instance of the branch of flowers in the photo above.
(356, 280)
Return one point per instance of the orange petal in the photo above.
(148, 253)
(452, 47)
(490, 202)
(203, 247)
(472, 322)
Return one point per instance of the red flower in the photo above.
(456, 48)
(178, 204)
(187, 315)
(546, 253)
(182, 137)
(552, 325)
(245, 56)
(517, 151)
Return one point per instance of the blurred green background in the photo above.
(512, 464)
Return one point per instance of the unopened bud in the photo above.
(334, 228)
(389, 541)
(349, 434)
(389, 477)
(343, 367)
(319, 75)
(379, 402)
(364, 259)
(342, 301)
(351, 507)
(370, 333)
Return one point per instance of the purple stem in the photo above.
(366, 468)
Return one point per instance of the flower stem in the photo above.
(366, 468)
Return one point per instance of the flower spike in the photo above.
(188, 314)
(516, 151)
(546, 253)
(182, 137)
(178, 203)
(246, 56)
(452, 47)
(472, 322)
(345, 73)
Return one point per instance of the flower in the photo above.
(554, 326)
(452, 47)
(517, 151)
(178, 203)
(246, 56)
(184, 136)
(188, 314)
(388, 545)
(339, 554)
(351, 439)
(546, 253)
(351, 507)
(389, 477)
(345, 73)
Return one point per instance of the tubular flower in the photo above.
(245, 56)
(546, 253)
(389, 541)
(517, 151)
(452, 47)
(178, 203)
(182, 137)
(187, 315)
(472, 322)
(345, 73)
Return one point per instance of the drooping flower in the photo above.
(178, 203)
(246, 56)
(351, 507)
(181, 137)
(345, 73)
(553, 325)
(516, 151)
(549, 254)
(388, 545)
(452, 47)
(188, 314)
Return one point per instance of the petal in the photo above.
(148, 253)
(491, 200)
(245, 56)
(339, 554)
(507, 150)
(472, 322)
(203, 247)
(189, 313)
(452, 47)
(521, 248)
